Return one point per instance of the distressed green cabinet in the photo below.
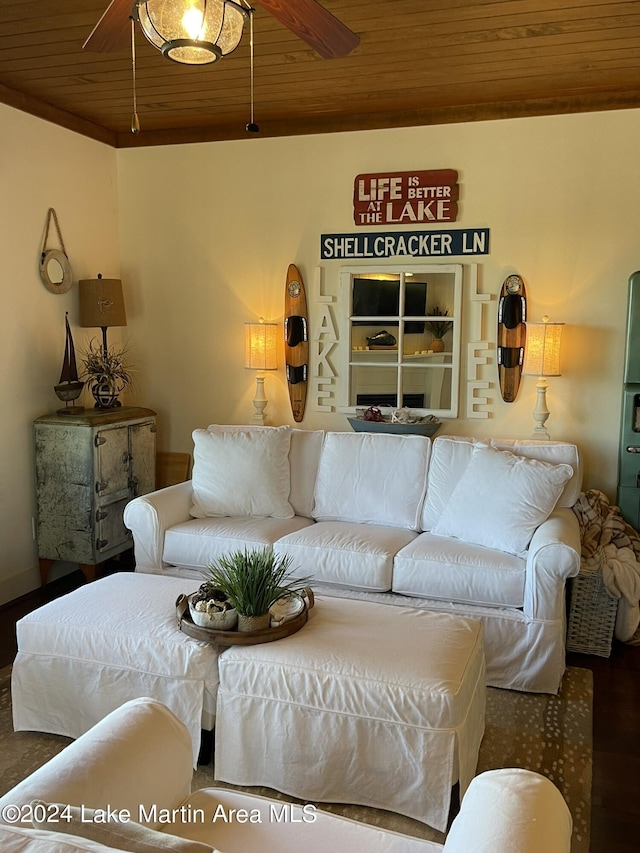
(88, 467)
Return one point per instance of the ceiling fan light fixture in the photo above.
(192, 32)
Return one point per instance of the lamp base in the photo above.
(541, 412)
(259, 402)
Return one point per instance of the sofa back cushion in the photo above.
(304, 458)
(241, 471)
(450, 456)
(372, 478)
(501, 499)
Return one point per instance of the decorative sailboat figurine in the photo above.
(69, 386)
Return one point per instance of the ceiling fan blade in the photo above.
(113, 30)
(314, 24)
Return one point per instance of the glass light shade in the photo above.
(192, 32)
(260, 345)
(542, 349)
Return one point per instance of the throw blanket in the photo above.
(607, 539)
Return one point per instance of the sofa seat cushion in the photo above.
(195, 544)
(372, 478)
(438, 567)
(346, 554)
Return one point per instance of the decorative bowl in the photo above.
(428, 429)
(216, 620)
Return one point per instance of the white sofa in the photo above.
(483, 529)
(135, 765)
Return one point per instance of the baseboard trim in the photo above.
(19, 584)
(28, 580)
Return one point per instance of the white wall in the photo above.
(41, 166)
(207, 233)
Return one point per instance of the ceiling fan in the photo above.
(310, 21)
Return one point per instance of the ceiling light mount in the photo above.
(191, 32)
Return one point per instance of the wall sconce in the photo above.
(102, 304)
(541, 359)
(260, 342)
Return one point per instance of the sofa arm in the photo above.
(149, 516)
(138, 754)
(552, 558)
(511, 811)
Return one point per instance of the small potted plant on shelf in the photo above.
(438, 329)
(211, 608)
(106, 372)
(253, 580)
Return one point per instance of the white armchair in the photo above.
(139, 759)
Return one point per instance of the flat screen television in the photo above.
(374, 297)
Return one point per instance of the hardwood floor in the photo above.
(615, 809)
(615, 804)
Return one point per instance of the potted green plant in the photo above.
(438, 329)
(106, 372)
(253, 580)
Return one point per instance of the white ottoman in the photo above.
(85, 654)
(368, 704)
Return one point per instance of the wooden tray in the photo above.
(237, 638)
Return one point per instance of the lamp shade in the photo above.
(101, 303)
(260, 343)
(542, 350)
(192, 32)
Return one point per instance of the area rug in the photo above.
(549, 734)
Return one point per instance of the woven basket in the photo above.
(592, 611)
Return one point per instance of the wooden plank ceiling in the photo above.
(419, 62)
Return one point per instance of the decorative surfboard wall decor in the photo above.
(512, 333)
(296, 341)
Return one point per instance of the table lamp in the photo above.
(542, 359)
(102, 305)
(260, 341)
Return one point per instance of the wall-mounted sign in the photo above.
(399, 198)
(413, 244)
